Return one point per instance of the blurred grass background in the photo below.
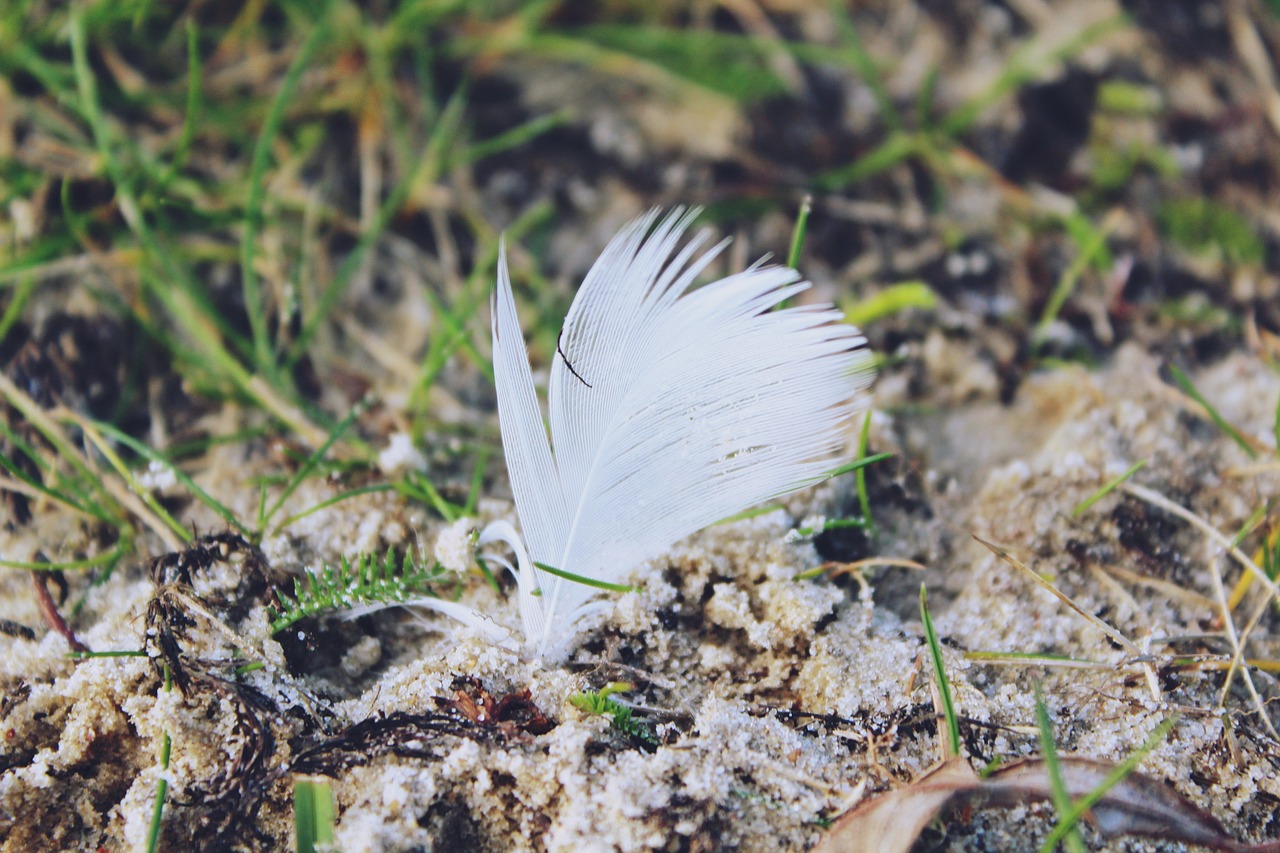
(283, 207)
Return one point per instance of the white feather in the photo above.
(676, 408)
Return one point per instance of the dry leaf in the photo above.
(1137, 805)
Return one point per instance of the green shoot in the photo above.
(1071, 815)
(952, 745)
(368, 581)
(1107, 489)
(192, 111)
(107, 558)
(855, 465)
(162, 785)
(1205, 227)
(1271, 553)
(1093, 247)
(1277, 425)
(123, 653)
(754, 512)
(621, 718)
(521, 134)
(13, 311)
(416, 486)
(860, 475)
(797, 235)
(108, 452)
(585, 581)
(264, 356)
(313, 814)
(477, 482)
(339, 498)
(310, 464)
(830, 524)
(1231, 432)
(891, 300)
(1070, 835)
(158, 458)
(1250, 523)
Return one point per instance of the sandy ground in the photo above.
(767, 704)
(774, 702)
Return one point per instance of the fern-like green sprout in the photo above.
(366, 581)
(621, 719)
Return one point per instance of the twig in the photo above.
(49, 610)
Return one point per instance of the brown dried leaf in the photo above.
(1137, 805)
(892, 822)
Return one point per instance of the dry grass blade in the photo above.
(1158, 500)
(1228, 625)
(1102, 626)
(1117, 637)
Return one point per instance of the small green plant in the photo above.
(313, 814)
(162, 783)
(366, 581)
(1204, 227)
(599, 703)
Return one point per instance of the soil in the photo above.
(767, 704)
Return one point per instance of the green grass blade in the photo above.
(88, 479)
(325, 504)
(585, 581)
(477, 482)
(263, 355)
(797, 234)
(73, 565)
(313, 815)
(417, 487)
(149, 500)
(940, 675)
(162, 785)
(84, 505)
(311, 462)
(864, 64)
(521, 134)
(1107, 489)
(860, 474)
(897, 148)
(855, 465)
(1092, 247)
(1231, 432)
(1079, 808)
(159, 458)
(889, 301)
(12, 312)
(192, 112)
(1277, 425)
(1057, 786)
